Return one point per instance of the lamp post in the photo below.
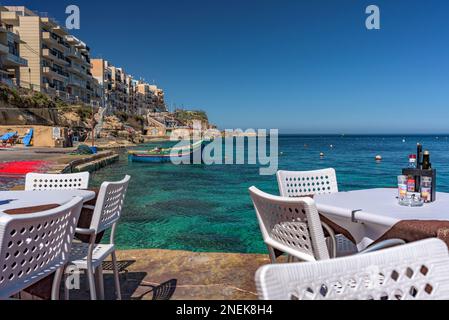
(93, 125)
(29, 77)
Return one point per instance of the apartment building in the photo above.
(119, 99)
(158, 98)
(123, 93)
(102, 73)
(152, 97)
(10, 59)
(112, 82)
(58, 63)
(143, 95)
(131, 94)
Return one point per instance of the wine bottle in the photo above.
(426, 160)
(419, 156)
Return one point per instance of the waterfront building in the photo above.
(123, 93)
(151, 98)
(102, 73)
(112, 82)
(10, 58)
(48, 59)
(158, 98)
(58, 63)
(119, 102)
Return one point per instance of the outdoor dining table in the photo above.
(21, 202)
(374, 215)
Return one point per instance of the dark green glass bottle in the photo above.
(426, 161)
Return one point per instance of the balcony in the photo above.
(54, 73)
(53, 24)
(49, 39)
(75, 68)
(67, 97)
(4, 49)
(49, 89)
(47, 53)
(13, 35)
(72, 40)
(12, 60)
(77, 83)
(10, 17)
(73, 53)
(6, 79)
(46, 36)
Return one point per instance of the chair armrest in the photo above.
(86, 232)
(86, 206)
(383, 245)
(332, 243)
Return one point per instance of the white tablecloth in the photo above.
(369, 214)
(25, 199)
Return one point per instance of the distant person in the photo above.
(70, 138)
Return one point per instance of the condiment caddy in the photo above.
(417, 185)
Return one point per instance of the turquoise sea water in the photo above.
(207, 208)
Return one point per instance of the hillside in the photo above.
(189, 116)
(26, 107)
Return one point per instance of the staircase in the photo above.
(155, 122)
(99, 126)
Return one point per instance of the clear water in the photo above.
(207, 208)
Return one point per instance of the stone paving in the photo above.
(182, 275)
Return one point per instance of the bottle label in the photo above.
(426, 194)
(402, 190)
(411, 185)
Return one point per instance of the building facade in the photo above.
(58, 63)
(38, 53)
(150, 97)
(10, 59)
(122, 93)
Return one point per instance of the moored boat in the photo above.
(158, 155)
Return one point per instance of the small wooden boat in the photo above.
(183, 153)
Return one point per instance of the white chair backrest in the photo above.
(48, 182)
(291, 225)
(306, 183)
(32, 246)
(416, 271)
(109, 204)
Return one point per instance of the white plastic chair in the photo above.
(294, 184)
(290, 225)
(48, 182)
(90, 256)
(416, 271)
(33, 246)
(293, 226)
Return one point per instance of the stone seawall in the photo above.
(88, 163)
(11, 116)
(95, 165)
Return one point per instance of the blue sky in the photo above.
(300, 66)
